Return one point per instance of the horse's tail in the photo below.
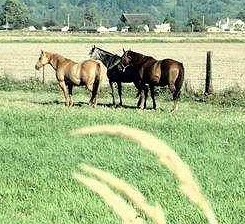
(98, 78)
(101, 73)
(179, 82)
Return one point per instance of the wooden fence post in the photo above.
(208, 85)
(43, 76)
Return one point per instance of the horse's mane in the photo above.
(59, 57)
(109, 58)
(141, 55)
(107, 52)
(141, 58)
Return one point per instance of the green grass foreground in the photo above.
(37, 156)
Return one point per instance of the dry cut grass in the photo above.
(154, 212)
(127, 213)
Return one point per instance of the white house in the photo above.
(162, 28)
(237, 25)
(146, 28)
(6, 26)
(65, 29)
(32, 28)
(112, 29)
(230, 25)
(102, 29)
(125, 29)
(213, 29)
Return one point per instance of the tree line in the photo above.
(182, 14)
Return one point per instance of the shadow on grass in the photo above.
(52, 102)
(81, 103)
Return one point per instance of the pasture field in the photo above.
(18, 59)
(38, 156)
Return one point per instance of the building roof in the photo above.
(137, 19)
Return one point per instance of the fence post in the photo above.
(43, 76)
(208, 85)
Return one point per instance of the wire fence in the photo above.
(18, 61)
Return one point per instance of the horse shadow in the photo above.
(82, 103)
(108, 105)
(47, 103)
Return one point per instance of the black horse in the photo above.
(116, 72)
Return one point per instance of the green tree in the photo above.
(170, 19)
(195, 25)
(241, 15)
(14, 13)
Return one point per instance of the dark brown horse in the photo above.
(91, 73)
(166, 72)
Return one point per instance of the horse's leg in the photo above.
(146, 95)
(173, 90)
(71, 103)
(178, 84)
(112, 93)
(173, 73)
(143, 97)
(65, 91)
(95, 90)
(139, 93)
(153, 96)
(175, 99)
(119, 86)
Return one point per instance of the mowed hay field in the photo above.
(18, 59)
(38, 157)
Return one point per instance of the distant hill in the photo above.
(108, 12)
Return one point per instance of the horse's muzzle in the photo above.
(37, 67)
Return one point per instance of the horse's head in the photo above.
(127, 58)
(95, 53)
(44, 59)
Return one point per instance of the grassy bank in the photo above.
(59, 37)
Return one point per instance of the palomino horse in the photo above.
(90, 73)
(115, 71)
(166, 72)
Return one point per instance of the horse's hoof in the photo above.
(71, 104)
(173, 111)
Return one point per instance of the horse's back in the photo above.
(103, 72)
(161, 72)
(92, 69)
(172, 71)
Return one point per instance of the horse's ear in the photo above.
(124, 50)
(94, 46)
(42, 51)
